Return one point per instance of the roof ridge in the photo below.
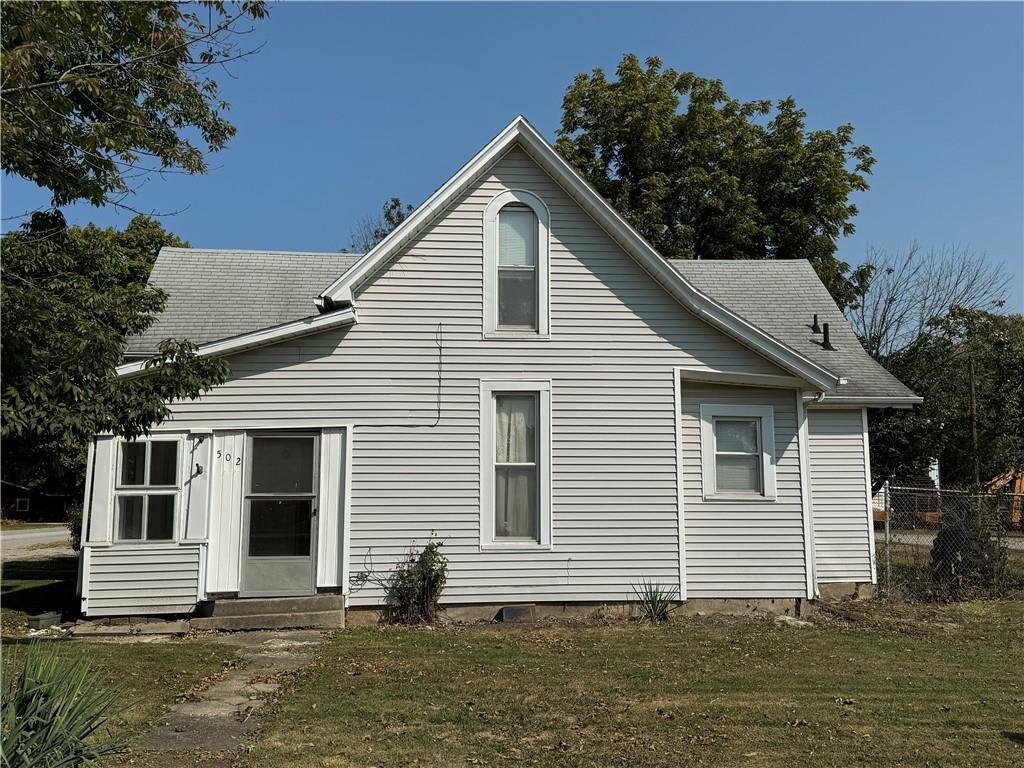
(256, 251)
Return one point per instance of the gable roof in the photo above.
(782, 297)
(520, 133)
(203, 288)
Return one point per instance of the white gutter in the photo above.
(904, 401)
(261, 338)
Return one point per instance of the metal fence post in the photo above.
(888, 540)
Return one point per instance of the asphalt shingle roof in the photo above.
(781, 298)
(217, 294)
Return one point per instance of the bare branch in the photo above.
(910, 288)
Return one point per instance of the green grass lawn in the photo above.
(150, 676)
(937, 686)
(36, 586)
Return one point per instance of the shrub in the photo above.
(416, 585)
(965, 557)
(655, 601)
(52, 713)
(73, 521)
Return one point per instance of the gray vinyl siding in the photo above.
(615, 337)
(140, 580)
(839, 497)
(744, 549)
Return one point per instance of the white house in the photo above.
(516, 372)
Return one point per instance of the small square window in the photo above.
(22, 504)
(737, 452)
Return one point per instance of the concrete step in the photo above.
(255, 606)
(300, 620)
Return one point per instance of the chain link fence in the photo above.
(941, 544)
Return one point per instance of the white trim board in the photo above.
(259, 338)
(806, 497)
(867, 496)
(677, 405)
(520, 132)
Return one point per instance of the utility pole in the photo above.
(974, 425)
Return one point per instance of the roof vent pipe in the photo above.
(815, 328)
(825, 342)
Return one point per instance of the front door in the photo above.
(280, 515)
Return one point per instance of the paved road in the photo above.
(32, 542)
(925, 538)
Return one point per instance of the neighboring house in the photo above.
(513, 371)
(20, 503)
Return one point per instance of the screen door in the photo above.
(280, 515)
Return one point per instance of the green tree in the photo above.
(96, 95)
(71, 295)
(716, 178)
(937, 365)
(372, 229)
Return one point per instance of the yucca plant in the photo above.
(655, 602)
(53, 712)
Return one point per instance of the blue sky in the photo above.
(349, 104)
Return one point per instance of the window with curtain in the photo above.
(516, 502)
(517, 268)
(738, 455)
(147, 490)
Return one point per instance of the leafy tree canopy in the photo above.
(937, 366)
(96, 95)
(716, 178)
(70, 296)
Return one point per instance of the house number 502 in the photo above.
(227, 457)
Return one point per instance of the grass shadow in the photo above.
(37, 586)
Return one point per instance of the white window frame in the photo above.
(148, 490)
(19, 507)
(765, 416)
(488, 389)
(540, 210)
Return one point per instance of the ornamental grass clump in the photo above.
(654, 601)
(53, 713)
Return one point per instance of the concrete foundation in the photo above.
(365, 616)
(846, 590)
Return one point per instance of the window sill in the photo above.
(750, 497)
(134, 544)
(516, 336)
(512, 546)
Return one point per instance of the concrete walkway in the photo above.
(212, 730)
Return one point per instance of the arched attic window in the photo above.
(516, 266)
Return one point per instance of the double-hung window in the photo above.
(517, 268)
(515, 464)
(147, 490)
(516, 256)
(737, 452)
(516, 499)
